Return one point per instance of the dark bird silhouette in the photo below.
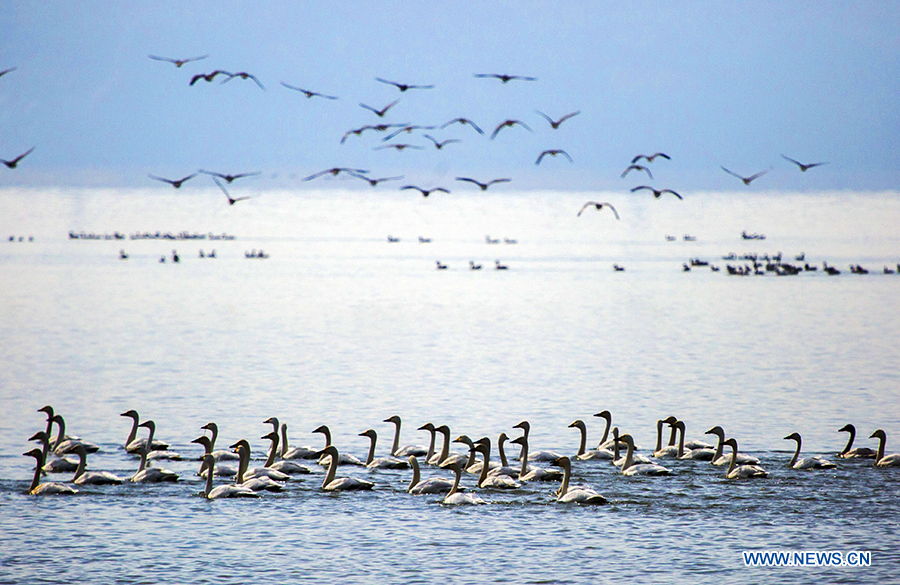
(509, 124)
(399, 147)
(651, 157)
(309, 94)
(231, 200)
(637, 168)
(380, 113)
(230, 178)
(403, 86)
(177, 184)
(464, 122)
(335, 172)
(425, 192)
(747, 180)
(552, 152)
(11, 164)
(505, 78)
(244, 75)
(555, 123)
(804, 167)
(656, 192)
(208, 77)
(483, 186)
(374, 182)
(598, 205)
(177, 62)
(377, 128)
(5, 71)
(408, 129)
(440, 144)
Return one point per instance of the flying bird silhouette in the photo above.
(509, 124)
(335, 172)
(637, 168)
(244, 75)
(229, 178)
(309, 94)
(651, 157)
(440, 144)
(403, 86)
(208, 77)
(598, 205)
(425, 192)
(505, 78)
(464, 122)
(177, 183)
(177, 62)
(408, 129)
(374, 182)
(377, 128)
(804, 167)
(555, 123)
(11, 164)
(747, 180)
(483, 186)
(399, 147)
(5, 71)
(231, 200)
(380, 113)
(552, 152)
(656, 192)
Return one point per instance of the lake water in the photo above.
(340, 327)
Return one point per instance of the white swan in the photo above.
(132, 443)
(578, 495)
(289, 467)
(742, 471)
(455, 497)
(223, 491)
(583, 454)
(817, 462)
(849, 452)
(534, 473)
(244, 473)
(288, 452)
(620, 461)
(630, 468)
(432, 485)
(220, 454)
(882, 460)
(157, 453)
(83, 477)
(536, 455)
(222, 469)
(45, 489)
(64, 446)
(720, 459)
(146, 474)
(430, 428)
(605, 441)
(380, 462)
(332, 483)
(503, 468)
(258, 481)
(48, 410)
(495, 481)
(344, 459)
(65, 464)
(445, 453)
(472, 465)
(406, 451)
(695, 453)
(670, 451)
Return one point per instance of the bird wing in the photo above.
(545, 116)
(638, 188)
(639, 157)
(616, 213)
(757, 175)
(798, 163)
(370, 108)
(733, 174)
(169, 181)
(672, 192)
(155, 58)
(541, 157)
(499, 181)
(21, 156)
(567, 116)
(319, 174)
(585, 206)
(419, 189)
(441, 189)
(662, 154)
(566, 154)
(191, 176)
(394, 83)
(467, 179)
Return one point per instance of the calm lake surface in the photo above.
(340, 327)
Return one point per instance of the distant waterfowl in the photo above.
(155, 454)
(746, 180)
(246, 473)
(650, 158)
(11, 164)
(398, 147)
(440, 265)
(440, 144)
(882, 460)
(49, 488)
(177, 62)
(221, 454)
(335, 171)
(630, 168)
(432, 436)
(432, 485)
(555, 123)
(64, 446)
(333, 483)
(849, 452)
(719, 458)
(66, 464)
(472, 464)
(578, 495)
(230, 178)
(656, 192)
(817, 462)
(670, 450)
(380, 113)
(284, 466)
(345, 458)
(373, 462)
(134, 444)
(583, 454)
(175, 183)
(403, 86)
(552, 152)
(223, 491)
(483, 186)
(618, 268)
(620, 461)
(374, 182)
(509, 124)
(425, 192)
(742, 471)
(146, 474)
(244, 75)
(487, 480)
(464, 122)
(445, 454)
(221, 469)
(308, 93)
(405, 451)
(504, 78)
(455, 497)
(83, 477)
(598, 206)
(699, 451)
(804, 167)
(208, 77)
(630, 468)
(473, 266)
(605, 443)
(231, 200)
(123, 255)
(288, 452)
(527, 473)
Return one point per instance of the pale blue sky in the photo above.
(734, 84)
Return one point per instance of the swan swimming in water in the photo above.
(396, 449)
(488, 481)
(742, 471)
(222, 469)
(221, 454)
(380, 462)
(64, 446)
(578, 495)
(430, 428)
(630, 468)
(670, 450)
(695, 453)
(445, 454)
(620, 461)
(288, 452)
(537, 455)
(289, 467)
(817, 462)
(65, 464)
(45, 489)
(244, 473)
(882, 460)
(132, 443)
(259, 481)
(344, 459)
(535, 473)
(157, 453)
(146, 474)
(849, 452)
(455, 497)
(432, 485)
(223, 491)
(605, 441)
(720, 459)
(583, 454)
(83, 477)
(332, 483)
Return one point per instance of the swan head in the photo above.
(520, 440)
(210, 426)
(204, 440)
(369, 433)
(394, 419)
(626, 438)
(48, 410)
(443, 429)
(615, 434)
(329, 450)
(502, 438)
(272, 436)
(483, 448)
(679, 424)
(847, 428)
(605, 414)
(36, 453)
(484, 441)
(39, 436)
(879, 434)
(670, 420)
(578, 424)
(427, 427)
(524, 425)
(133, 414)
(453, 465)
(322, 429)
(716, 430)
(271, 421)
(465, 439)
(732, 442)
(242, 443)
(563, 462)
(793, 436)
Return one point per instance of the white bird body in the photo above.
(49, 488)
(630, 468)
(226, 490)
(455, 497)
(882, 460)
(332, 483)
(742, 471)
(807, 463)
(576, 495)
(432, 485)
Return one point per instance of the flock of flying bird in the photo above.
(61, 453)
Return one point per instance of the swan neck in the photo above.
(503, 461)
(629, 455)
(680, 428)
(371, 456)
(583, 445)
(214, 429)
(471, 460)
(82, 463)
(332, 467)
(209, 476)
(273, 451)
(733, 463)
(396, 444)
(243, 464)
(456, 479)
(880, 455)
(564, 486)
(796, 455)
(445, 448)
(484, 466)
(523, 456)
(672, 434)
(659, 425)
(62, 431)
(143, 459)
(39, 464)
(284, 440)
(133, 434)
(605, 431)
(417, 476)
(720, 444)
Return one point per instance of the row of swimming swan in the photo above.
(491, 475)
